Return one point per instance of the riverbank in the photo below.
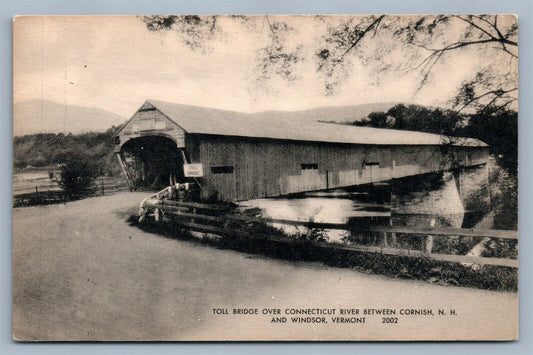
(80, 272)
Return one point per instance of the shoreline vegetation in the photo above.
(268, 241)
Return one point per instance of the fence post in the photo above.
(103, 190)
(309, 231)
(429, 239)
(37, 194)
(393, 234)
(429, 244)
(384, 239)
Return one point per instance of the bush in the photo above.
(504, 198)
(77, 176)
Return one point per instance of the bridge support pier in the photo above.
(450, 199)
(473, 185)
(430, 200)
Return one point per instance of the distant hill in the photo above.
(336, 113)
(43, 116)
(57, 118)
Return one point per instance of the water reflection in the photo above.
(431, 200)
(336, 207)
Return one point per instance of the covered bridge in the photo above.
(242, 156)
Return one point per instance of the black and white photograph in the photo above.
(265, 178)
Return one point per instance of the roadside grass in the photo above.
(265, 240)
(43, 198)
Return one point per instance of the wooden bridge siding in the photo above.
(266, 168)
(216, 154)
(419, 159)
(470, 157)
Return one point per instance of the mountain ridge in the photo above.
(53, 117)
(44, 116)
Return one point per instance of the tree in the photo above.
(426, 41)
(196, 30)
(416, 118)
(378, 119)
(498, 127)
(77, 176)
(381, 43)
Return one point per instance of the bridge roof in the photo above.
(290, 126)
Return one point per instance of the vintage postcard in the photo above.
(265, 178)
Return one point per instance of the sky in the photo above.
(115, 63)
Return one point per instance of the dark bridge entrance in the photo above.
(152, 162)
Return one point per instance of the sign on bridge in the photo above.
(193, 170)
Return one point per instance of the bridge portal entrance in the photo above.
(151, 162)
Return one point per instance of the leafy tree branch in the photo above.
(381, 43)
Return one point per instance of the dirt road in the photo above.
(80, 272)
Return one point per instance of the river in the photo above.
(423, 201)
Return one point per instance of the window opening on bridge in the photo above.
(367, 163)
(309, 166)
(222, 169)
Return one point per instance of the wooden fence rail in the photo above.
(105, 182)
(463, 232)
(215, 218)
(52, 193)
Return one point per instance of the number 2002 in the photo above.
(389, 320)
